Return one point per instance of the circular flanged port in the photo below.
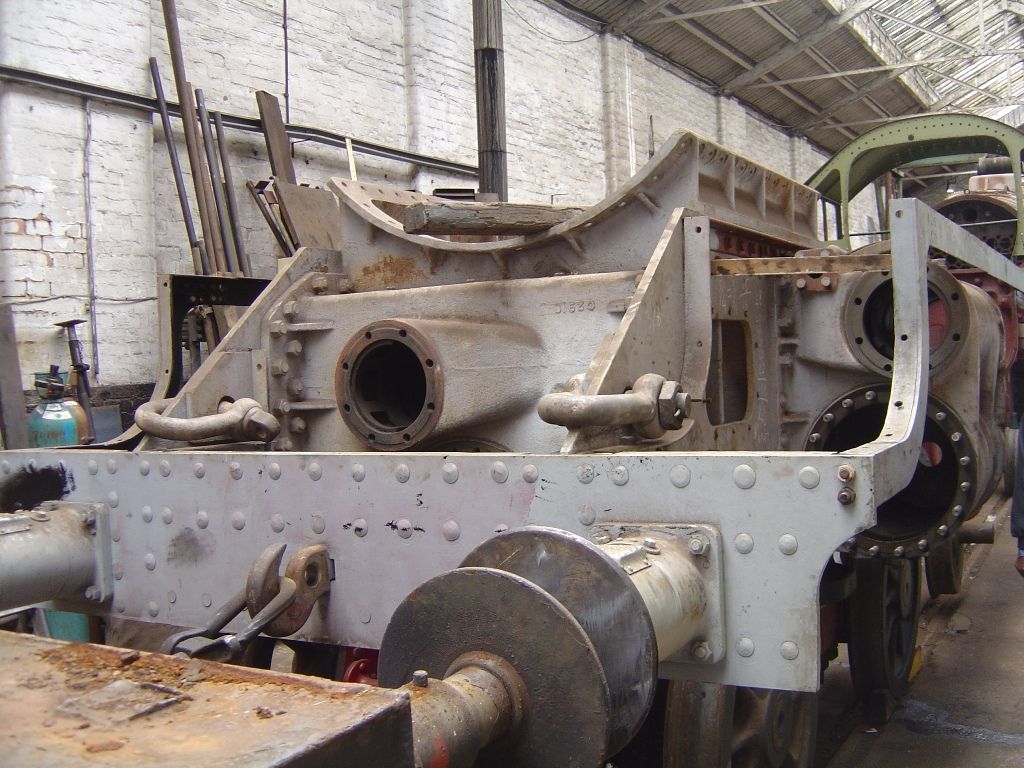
(869, 320)
(389, 385)
(992, 218)
(942, 491)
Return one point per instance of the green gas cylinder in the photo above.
(56, 420)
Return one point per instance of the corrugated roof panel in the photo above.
(745, 37)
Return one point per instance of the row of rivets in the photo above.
(787, 649)
(744, 543)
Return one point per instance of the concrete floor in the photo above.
(966, 706)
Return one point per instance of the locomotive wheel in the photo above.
(719, 726)
(883, 617)
(944, 568)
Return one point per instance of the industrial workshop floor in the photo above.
(966, 706)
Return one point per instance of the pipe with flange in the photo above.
(46, 554)
(600, 616)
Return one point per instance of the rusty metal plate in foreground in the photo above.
(76, 704)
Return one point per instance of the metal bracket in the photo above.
(705, 545)
(96, 518)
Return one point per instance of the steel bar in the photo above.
(216, 185)
(213, 235)
(925, 30)
(896, 65)
(199, 262)
(128, 100)
(268, 215)
(229, 195)
(189, 125)
(90, 251)
(708, 12)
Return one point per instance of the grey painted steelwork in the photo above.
(624, 289)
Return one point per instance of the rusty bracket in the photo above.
(310, 571)
(278, 605)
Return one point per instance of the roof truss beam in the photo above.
(779, 58)
(899, 65)
(707, 12)
(925, 30)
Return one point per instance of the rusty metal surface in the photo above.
(76, 704)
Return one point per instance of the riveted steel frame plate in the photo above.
(186, 525)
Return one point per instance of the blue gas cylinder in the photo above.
(55, 421)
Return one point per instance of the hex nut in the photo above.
(672, 411)
(699, 544)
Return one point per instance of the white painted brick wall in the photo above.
(396, 72)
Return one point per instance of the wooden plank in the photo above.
(484, 218)
(278, 146)
(13, 416)
(797, 265)
(311, 216)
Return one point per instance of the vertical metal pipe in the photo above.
(199, 261)
(90, 251)
(189, 124)
(216, 184)
(489, 60)
(229, 195)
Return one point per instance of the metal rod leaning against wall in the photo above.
(199, 258)
(216, 185)
(189, 125)
(244, 263)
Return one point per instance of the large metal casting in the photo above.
(542, 472)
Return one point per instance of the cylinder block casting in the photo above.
(944, 489)
(869, 322)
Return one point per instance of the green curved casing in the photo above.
(905, 141)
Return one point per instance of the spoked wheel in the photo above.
(884, 613)
(719, 726)
(944, 568)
